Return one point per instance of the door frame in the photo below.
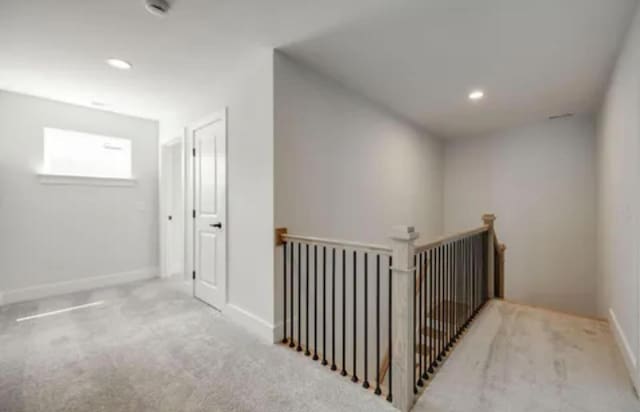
(189, 258)
(165, 192)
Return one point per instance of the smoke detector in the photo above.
(157, 7)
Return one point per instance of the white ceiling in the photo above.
(56, 48)
(418, 58)
(533, 58)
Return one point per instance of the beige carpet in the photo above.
(153, 347)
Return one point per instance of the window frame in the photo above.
(46, 177)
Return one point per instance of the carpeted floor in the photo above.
(152, 347)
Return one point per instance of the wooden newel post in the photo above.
(402, 367)
(488, 220)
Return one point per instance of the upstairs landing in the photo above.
(519, 358)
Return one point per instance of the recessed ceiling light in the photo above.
(476, 95)
(119, 64)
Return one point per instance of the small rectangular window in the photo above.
(77, 154)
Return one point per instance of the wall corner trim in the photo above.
(627, 354)
(256, 325)
(76, 285)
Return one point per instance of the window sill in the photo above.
(49, 179)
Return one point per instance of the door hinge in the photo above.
(193, 214)
(194, 275)
(193, 151)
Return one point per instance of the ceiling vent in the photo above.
(561, 116)
(157, 7)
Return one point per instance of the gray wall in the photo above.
(58, 233)
(540, 181)
(247, 94)
(347, 169)
(619, 203)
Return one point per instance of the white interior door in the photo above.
(208, 139)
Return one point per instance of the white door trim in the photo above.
(163, 193)
(189, 176)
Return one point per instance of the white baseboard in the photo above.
(60, 288)
(254, 324)
(627, 353)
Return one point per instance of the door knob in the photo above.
(170, 217)
(218, 225)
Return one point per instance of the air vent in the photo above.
(157, 7)
(561, 116)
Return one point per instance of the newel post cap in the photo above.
(488, 218)
(403, 232)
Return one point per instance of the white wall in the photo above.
(539, 180)
(347, 169)
(618, 202)
(69, 233)
(248, 96)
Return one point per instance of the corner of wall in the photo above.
(628, 355)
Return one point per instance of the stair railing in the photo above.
(386, 316)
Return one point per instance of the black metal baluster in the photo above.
(426, 329)
(333, 309)
(443, 306)
(343, 372)
(315, 302)
(447, 293)
(445, 301)
(454, 248)
(378, 391)
(432, 328)
(470, 254)
(478, 268)
(468, 282)
(365, 384)
(324, 305)
(415, 314)
(390, 395)
(459, 262)
(299, 348)
(417, 296)
(439, 291)
(441, 296)
(423, 328)
(306, 301)
(291, 343)
(354, 378)
(284, 316)
(474, 276)
(452, 329)
(479, 271)
(464, 274)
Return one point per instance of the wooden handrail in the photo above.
(385, 250)
(451, 238)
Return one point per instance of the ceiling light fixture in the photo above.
(119, 64)
(476, 95)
